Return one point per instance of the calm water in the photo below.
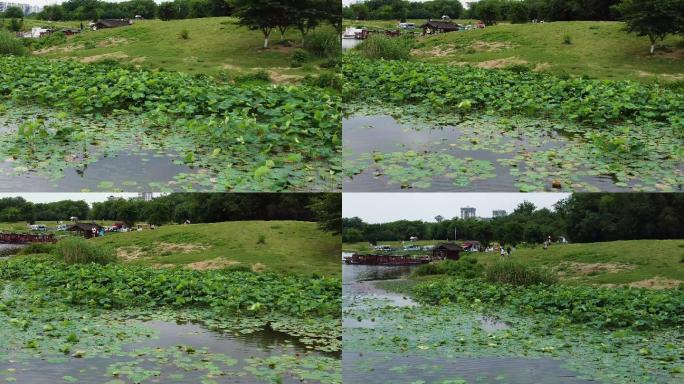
(370, 367)
(140, 167)
(170, 335)
(365, 134)
(350, 43)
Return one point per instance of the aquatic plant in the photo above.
(378, 46)
(597, 307)
(466, 267)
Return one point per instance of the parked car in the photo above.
(407, 26)
(412, 248)
(62, 227)
(38, 227)
(384, 248)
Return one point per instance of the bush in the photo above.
(253, 77)
(299, 57)
(262, 239)
(46, 41)
(567, 39)
(89, 45)
(324, 80)
(383, 47)
(238, 268)
(514, 273)
(467, 267)
(77, 250)
(519, 68)
(37, 248)
(10, 45)
(324, 43)
(185, 34)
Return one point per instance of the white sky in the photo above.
(464, 2)
(89, 198)
(387, 207)
(50, 2)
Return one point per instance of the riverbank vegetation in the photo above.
(242, 136)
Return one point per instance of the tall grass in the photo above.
(511, 272)
(77, 250)
(467, 267)
(323, 43)
(383, 47)
(36, 248)
(10, 45)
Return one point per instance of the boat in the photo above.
(355, 33)
(375, 259)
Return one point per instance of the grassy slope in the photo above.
(651, 258)
(214, 44)
(599, 49)
(290, 246)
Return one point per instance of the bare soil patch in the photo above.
(657, 283)
(501, 63)
(490, 46)
(95, 58)
(217, 263)
(258, 267)
(585, 269)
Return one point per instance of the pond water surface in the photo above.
(475, 160)
(367, 365)
(175, 352)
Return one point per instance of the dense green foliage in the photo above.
(77, 250)
(467, 90)
(583, 217)
(489, 11)
(127, 286)
(10, 45)
(323, 43)
(636, 308)
(466, 267)
(261, 137)
(37, 248)
(379, 46)
(179, 207)
(653, 18)
(515, 273)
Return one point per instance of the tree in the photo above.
(519, 13)
(263, 15)
(327, 208)
(14, 13)
(439, 218)
(167, 11)
(653, 18)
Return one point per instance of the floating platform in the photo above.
(26, 238)
(375, 259)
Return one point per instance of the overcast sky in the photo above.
(386, 207)
(89, 198)
(464, 2)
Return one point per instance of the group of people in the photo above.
(506, 251)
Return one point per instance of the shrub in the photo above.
(299, 57)
(238, 268)
(260, 76)
(567, 39)
(325, 80)
(383, 47)
(519, 68)
(37, 248)
(262, 239)
(184, 34)
(45, 41)
(89, 45)
(323, 43)
(77, 250)
(511, 272)
(10, 45)
(467, 267)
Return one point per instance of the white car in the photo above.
(407, 26)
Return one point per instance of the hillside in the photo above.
(288, 246)
(640, 262)
(214, 45)
(597, 49)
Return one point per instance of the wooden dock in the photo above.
(375, 259)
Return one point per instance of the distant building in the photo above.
(467, 213)
(110, 23)
(145, 196)
(448, 251)
(26, 8)
(498, 213)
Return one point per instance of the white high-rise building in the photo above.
(467, 213)
(26, 8)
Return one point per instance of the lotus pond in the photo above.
(71, 126)
(398, 332)
(121, 324)
(443, 128)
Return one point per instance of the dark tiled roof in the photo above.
(449, 246)
(440, 25)
(111, 23)
(83, 227)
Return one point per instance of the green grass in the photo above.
(647, 258)
(214, 45)
(599, 49)
(288, 246)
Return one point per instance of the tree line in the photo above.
(583, 217)
(181, 207)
